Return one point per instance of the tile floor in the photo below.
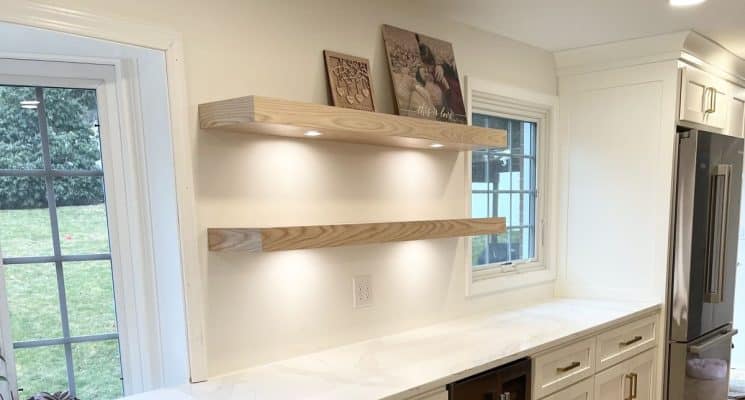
(737, 384)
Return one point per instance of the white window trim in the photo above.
(506, 101)
(116, 29)
(127, 206)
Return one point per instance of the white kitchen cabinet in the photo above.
(626, 341)
(560, 368)
(704, 99)
(736, 126)
(630, 380)
(581, 391)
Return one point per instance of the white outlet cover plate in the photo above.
(362, 291)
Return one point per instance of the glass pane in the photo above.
(527, 209)
(81, 213)
(515, 132)
(516, 243)
(529, 139)
(33, 301)
(90, 297)
(528, 243)
(502, 208)
(20, 141)
(479, 162)
(498, 251)
(72, 119)
(480, 205)
(528, 175)
(98, 370)
(499, 172)
(25, 229)
(478, 250)
(41, 369)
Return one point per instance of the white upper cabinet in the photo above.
(704, 99)
(736, 126)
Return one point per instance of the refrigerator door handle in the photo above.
(717, 243)
(700, 348)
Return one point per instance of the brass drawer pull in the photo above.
(631, 341)
(569, 367)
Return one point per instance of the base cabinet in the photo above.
(584, 390)
(630, 380)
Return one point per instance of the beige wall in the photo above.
(266, 307)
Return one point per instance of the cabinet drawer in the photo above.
(625, 342)
(557, 369)
(581, 391)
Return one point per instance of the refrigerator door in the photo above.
(700, 370)
(704, 258)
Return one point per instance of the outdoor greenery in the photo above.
(73, 145)
(34, 302)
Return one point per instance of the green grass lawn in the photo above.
(33, 298)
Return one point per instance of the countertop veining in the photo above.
(413, 362)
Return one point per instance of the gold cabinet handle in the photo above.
(709, 100)
(569, 367)
(711, 105)
(631, 341)
(632, 377)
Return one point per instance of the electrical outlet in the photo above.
(362, 291)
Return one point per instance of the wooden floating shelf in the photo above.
(268, 116)
(256, 240)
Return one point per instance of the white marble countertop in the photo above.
(413, 362)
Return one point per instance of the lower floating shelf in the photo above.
(257, 240)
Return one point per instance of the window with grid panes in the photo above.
(504, 184)
(55, 243)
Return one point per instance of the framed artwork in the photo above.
(425, 78)
(349, 81)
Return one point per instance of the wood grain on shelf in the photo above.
(318, 236)
(269, 116)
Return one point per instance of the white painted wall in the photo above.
(266, 307)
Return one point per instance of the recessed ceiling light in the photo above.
(29, 102)
(312, 133)
(30, 106)
(436, 145)
(685, 3)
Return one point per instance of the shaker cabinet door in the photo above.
(642, 370)
(613, 383)
(581, 391)
(633, 379)
(704, 99)
(737, 113)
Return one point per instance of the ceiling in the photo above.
(565, 24)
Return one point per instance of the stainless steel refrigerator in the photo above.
(703, 260)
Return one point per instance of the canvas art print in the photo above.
(425, 78)
(349, 81)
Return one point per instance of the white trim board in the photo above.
(112, 29)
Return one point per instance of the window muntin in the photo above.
(504, 184)
(54, 237)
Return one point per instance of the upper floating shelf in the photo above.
(268, 116)
(257, 240)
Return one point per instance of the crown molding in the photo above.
(688, 46)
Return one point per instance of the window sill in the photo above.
(486, 282)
